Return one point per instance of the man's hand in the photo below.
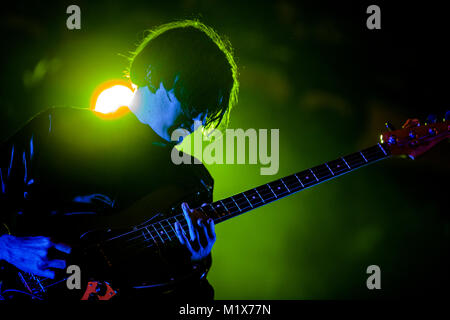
(29, 254)
(202, 237)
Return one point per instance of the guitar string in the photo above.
(241, 204)
(287, 191)
(244, 206)
(283, 191)
(369, 153)
(262, 195)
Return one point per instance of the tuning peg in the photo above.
(431, 118)
(447, 115)
(411, 123)
(389, 126)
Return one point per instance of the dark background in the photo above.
(311, 69)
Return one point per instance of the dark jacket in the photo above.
(69, 170)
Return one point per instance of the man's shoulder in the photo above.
(84, 124)
(58, 118)
(67, 116)
(42, 124)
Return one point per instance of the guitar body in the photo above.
(112, 253)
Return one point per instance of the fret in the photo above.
(143, 234)
(169, 228)
(235, 203)
(40, 284)
(266, 193)
(259, 195)
(176, 220)
(346, 163)
(354, 160)
(329, 169)
(322, 172)
(293, 183)
(158, 233)
(314, 175)
(214, 213)
(299, 180)
(233, 207)
(363, 156)
(242, 201)
(271, 190)
(278, 187)
(203, 213)
(150, 234)
(181, 225)
(224, 205)
(337, 166)
(171, 225)
(285, 185)
(230, 205)
(229, 211)
(247, 199)
(202, 210)
(209, 211)
(254, 198)
(382, 149)
(164, 230)
(374, 153)
(306, 178)
(172, 228)
(219, 205)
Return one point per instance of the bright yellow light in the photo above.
(113, 98)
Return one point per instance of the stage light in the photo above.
(113, 98)
(110, 96)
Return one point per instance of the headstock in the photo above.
(415, 139)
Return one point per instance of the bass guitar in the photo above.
(123, 257)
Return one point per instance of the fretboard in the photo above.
(254, 198)
(222, 210)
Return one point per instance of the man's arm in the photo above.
(18, 157)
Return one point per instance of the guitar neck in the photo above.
(240, 203)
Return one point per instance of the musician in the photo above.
(67, 168)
